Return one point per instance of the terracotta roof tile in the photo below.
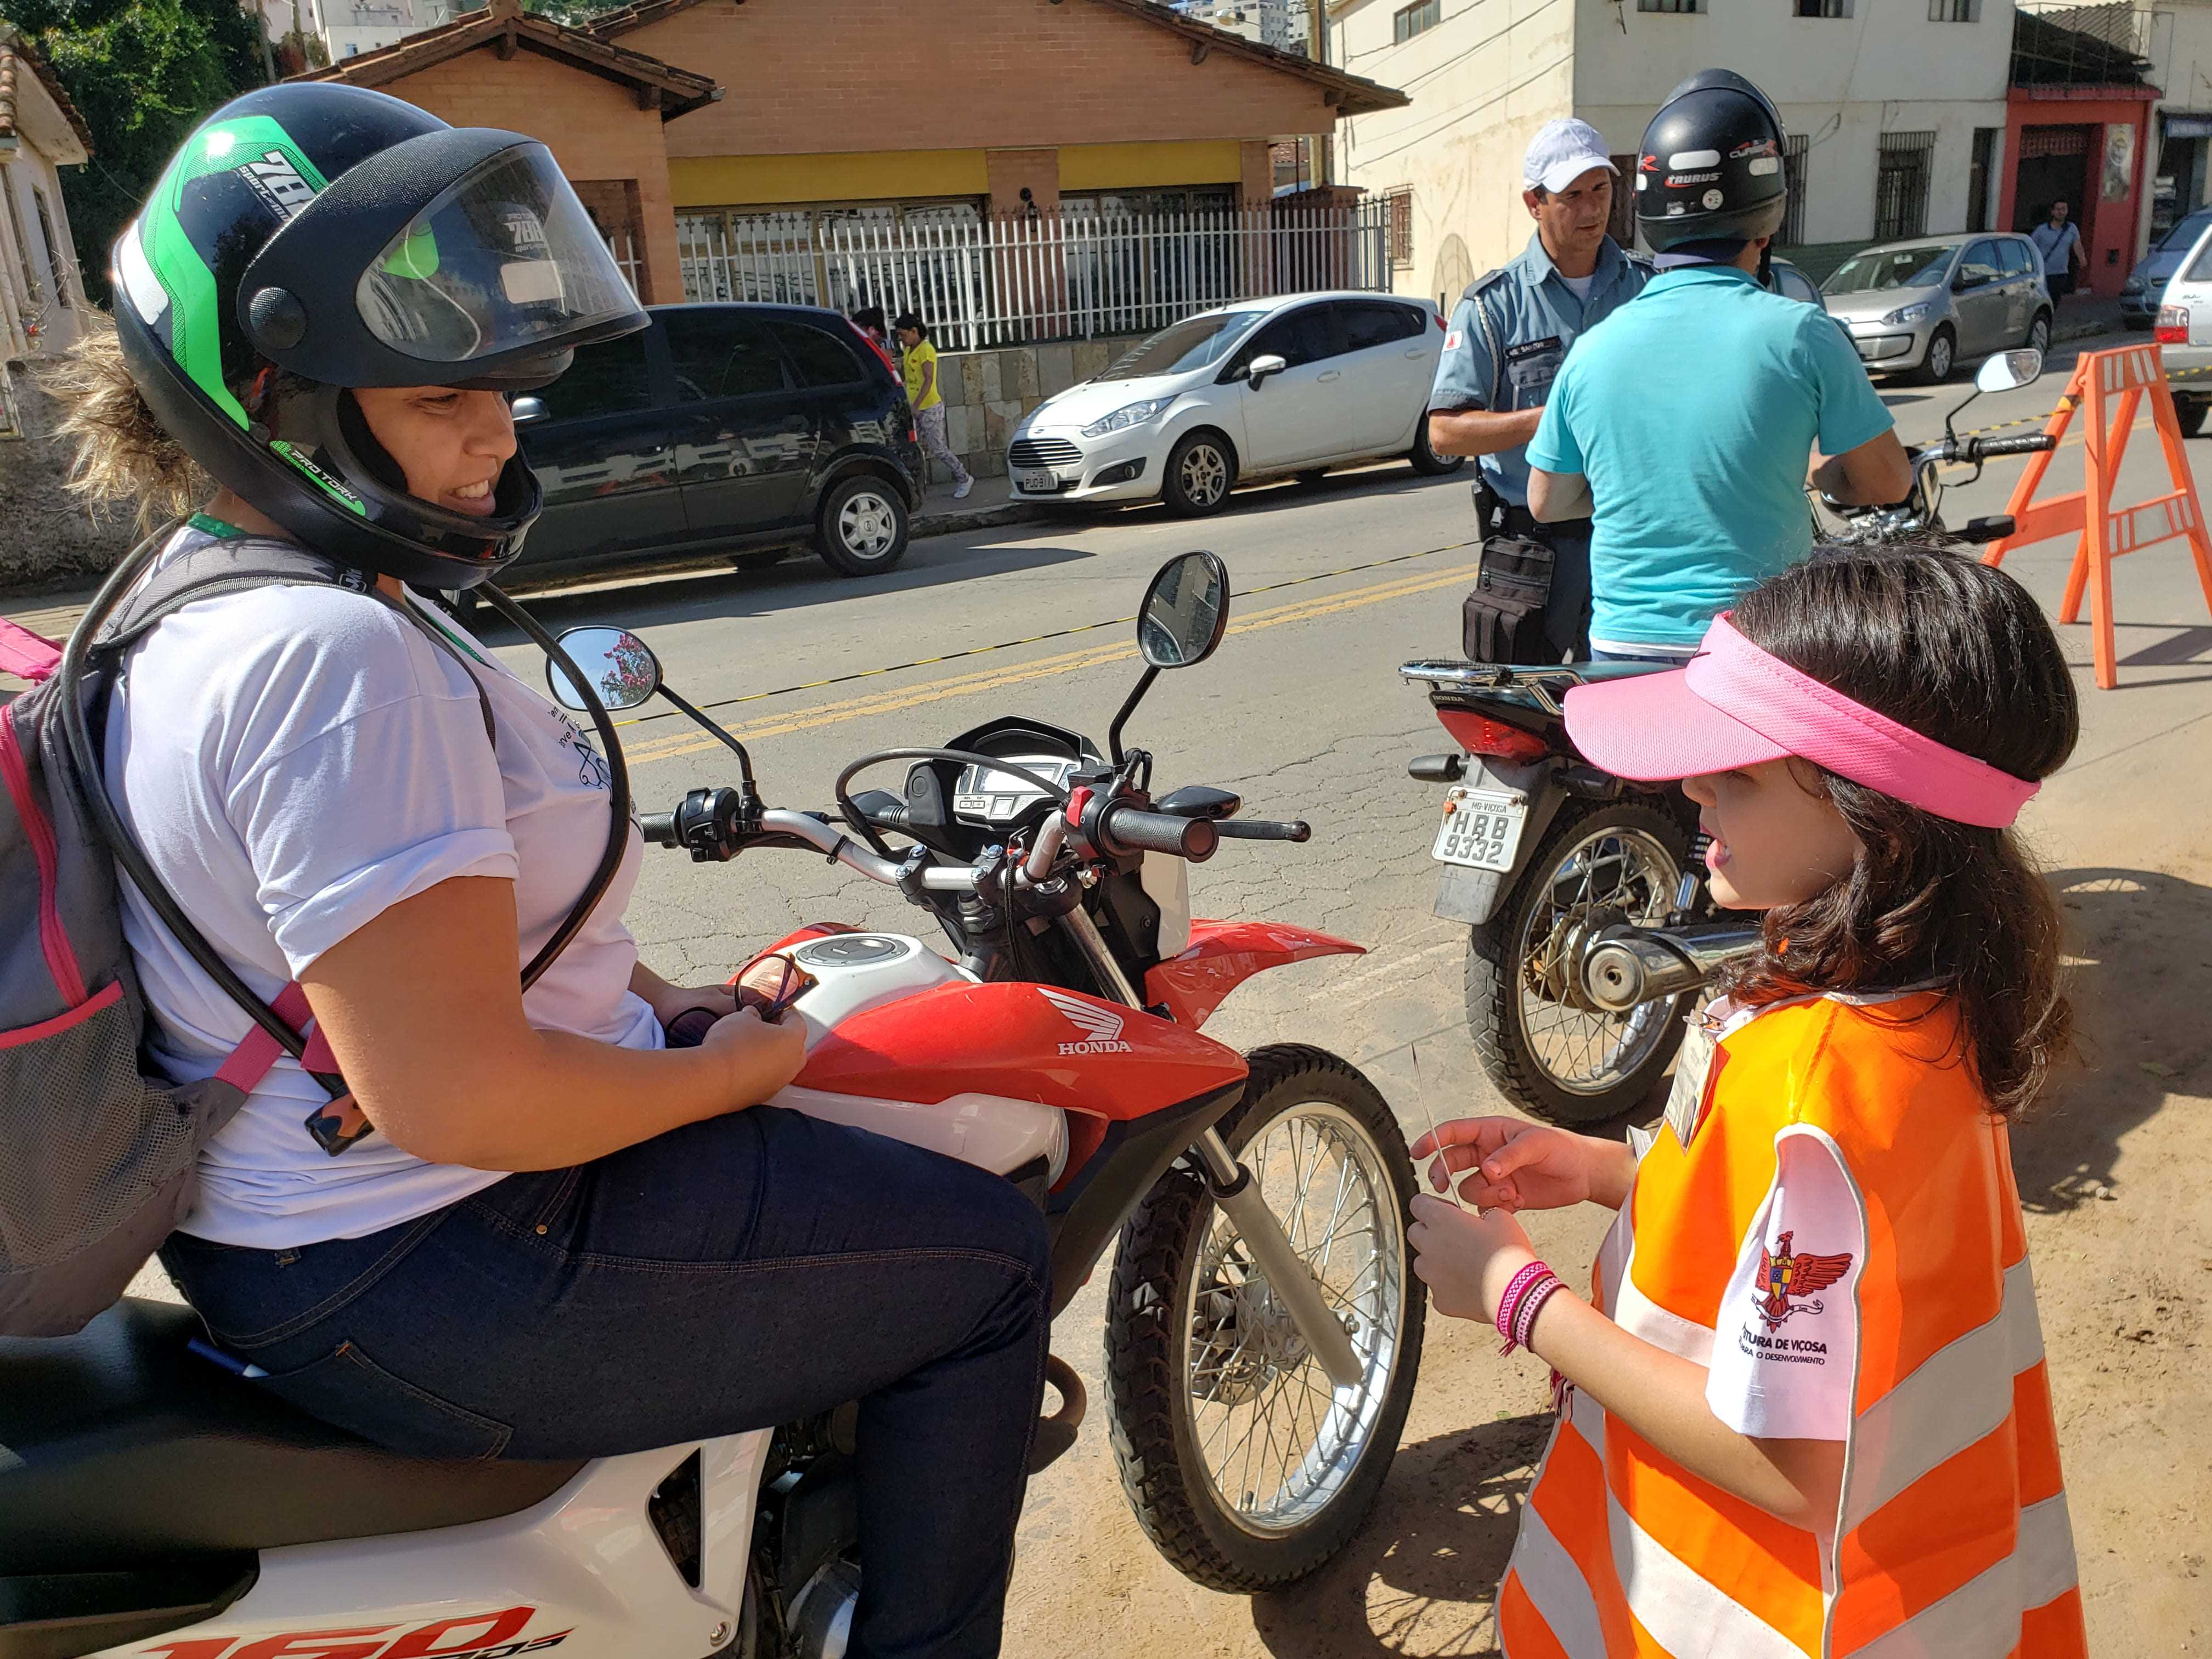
(680, 90)
(18, 57)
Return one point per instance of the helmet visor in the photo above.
(505, 260)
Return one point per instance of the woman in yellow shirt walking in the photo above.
(919, 358)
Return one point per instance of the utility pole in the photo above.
(268, 54)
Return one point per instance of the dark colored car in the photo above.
(737, 429)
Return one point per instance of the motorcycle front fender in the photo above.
(1475, 896)
(1223, 955)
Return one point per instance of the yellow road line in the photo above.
(885, 703)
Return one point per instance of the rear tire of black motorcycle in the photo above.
(1159, 1468)
(1493, 1002)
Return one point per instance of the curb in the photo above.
(2082, 331)
(981, 518)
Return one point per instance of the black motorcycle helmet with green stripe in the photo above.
(311, 239)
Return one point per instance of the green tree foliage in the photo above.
(144, 73)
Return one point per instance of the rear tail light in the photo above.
(2173, 325)
(1481, 735)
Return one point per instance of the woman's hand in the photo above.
(1526, 1166)
(669, 1000)
(761, 1058)
(1466, 1260)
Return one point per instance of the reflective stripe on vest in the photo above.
(1953, 1539)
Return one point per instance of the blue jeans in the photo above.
(734, 1274)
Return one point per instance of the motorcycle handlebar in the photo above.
(1127, 829)
(659, 828)
(1971, 450)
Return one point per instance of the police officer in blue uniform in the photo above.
(1509, 335)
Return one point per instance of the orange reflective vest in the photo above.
(1952, 1541)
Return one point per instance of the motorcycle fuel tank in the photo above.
(903, 1043)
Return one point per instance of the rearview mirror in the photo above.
(1260, 367)
(620, 666)
(2009, 371)
(524, 411)
(1186, 610)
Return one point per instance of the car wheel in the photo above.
(862, 531)
(1942, 354)
(2191, 411)
(1200, 469)
(2038, 332)
(1425, 460)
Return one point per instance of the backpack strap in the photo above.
(241, 564)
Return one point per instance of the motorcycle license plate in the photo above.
(1481, 829)
(1041, 484)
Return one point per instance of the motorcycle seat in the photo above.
(118, 1446)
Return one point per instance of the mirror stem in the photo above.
(744, 761)
(1129, 707)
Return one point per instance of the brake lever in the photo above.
(1262, 830)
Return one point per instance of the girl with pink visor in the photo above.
(1804, 1409)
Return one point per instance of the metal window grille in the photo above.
(1796, 150)
(1420, 17)
(1824, 8)
(1671, 5)
(1901, 184)
(1401, 205)
(1954, 11)
(1092, 267)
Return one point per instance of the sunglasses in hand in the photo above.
(791, 983)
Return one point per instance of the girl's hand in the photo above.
(1517, 1165)
(761, 1058)
(1466, 1261)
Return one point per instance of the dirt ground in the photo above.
(2113, 1174)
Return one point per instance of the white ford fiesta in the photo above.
(1293, 385)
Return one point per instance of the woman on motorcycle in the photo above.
(1807, 1410)
(546, 1234)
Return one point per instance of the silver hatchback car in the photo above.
(1920, 306)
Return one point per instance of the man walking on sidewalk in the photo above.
(2059, 241)
(919, 361)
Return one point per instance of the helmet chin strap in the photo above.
(1766, 264)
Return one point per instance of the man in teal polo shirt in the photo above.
(1685, 422)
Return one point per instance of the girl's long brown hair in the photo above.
(1961, 653)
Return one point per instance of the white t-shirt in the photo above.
(1580, 286)
(293, 761)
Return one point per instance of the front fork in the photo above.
(1238, 1196)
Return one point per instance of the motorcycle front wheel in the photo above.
(1245, 1466)
(1549, 1054)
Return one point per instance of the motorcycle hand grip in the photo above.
(1132, 829)
(659, 828)
(1263, 830)
(1984, 449)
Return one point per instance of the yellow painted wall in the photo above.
(1134, 166)
(892, 175)
(856, 176)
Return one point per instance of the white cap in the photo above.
(1561, 152)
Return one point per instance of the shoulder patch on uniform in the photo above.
(1488, 279)
(1452, 340)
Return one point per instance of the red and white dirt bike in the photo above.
(1262, 1327)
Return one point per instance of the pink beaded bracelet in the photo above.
(1533, 1282)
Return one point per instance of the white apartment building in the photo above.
(351, 27)
(1896, 109)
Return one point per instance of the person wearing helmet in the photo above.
(1512, 330)
(563, 1238)
(1685, 425)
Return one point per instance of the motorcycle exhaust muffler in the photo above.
(1622, 966)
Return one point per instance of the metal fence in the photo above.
(987, 281)
(1902, 167)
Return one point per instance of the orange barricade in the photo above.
(2113, 385)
